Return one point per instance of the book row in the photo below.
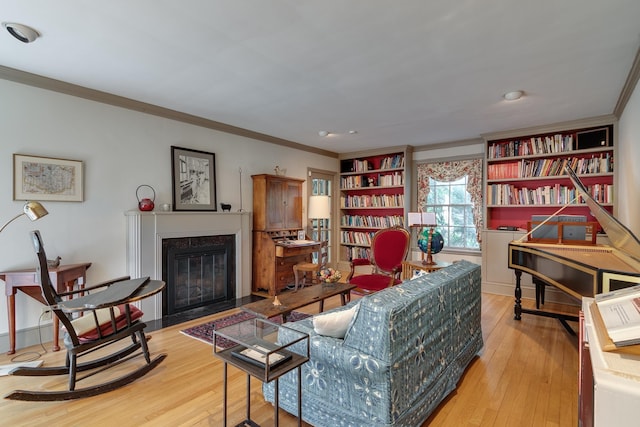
(356, 165)
(362, 238)
(510, 195)
(357, 252)
(551, 167)
(371, 221)
(372, 201)
(364, 181)
(557, 143)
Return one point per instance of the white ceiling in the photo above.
(407, 72)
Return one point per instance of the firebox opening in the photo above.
(198, 271)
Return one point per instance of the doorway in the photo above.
(321, 183)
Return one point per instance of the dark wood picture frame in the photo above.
(194, 180)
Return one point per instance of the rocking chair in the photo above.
(107, 318)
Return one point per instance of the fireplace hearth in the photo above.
(146, 232)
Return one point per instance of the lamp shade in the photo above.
(319, 207)
(421, 219)
(34, 210)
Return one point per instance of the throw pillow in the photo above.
(418, 273)
(334, 324)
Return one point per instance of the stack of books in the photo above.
(616, 317)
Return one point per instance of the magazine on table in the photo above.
(257, 355)
(620, 312)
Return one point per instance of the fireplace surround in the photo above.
(147, 230)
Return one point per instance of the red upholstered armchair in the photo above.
(389, 248)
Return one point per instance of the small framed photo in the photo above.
(194, 180)
(46, 178)
(301, 235)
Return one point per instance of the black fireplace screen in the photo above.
(198, 271)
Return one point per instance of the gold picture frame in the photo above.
(47, 178)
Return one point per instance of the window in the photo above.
(453, 190)
(454, 212)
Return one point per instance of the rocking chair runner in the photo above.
(389, 247)
(107, 319)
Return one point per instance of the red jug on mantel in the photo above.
(145, 204)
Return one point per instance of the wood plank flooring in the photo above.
(526, 376)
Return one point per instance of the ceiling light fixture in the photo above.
(353, 132)
(513, 95)
(21, 32)
(324, 133)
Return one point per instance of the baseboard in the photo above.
(30, 336)
(529, 292)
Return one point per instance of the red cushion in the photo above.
(107, 327)
(373, 282)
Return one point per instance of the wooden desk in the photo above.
(64, 278)
(408, 268)
(273, 261)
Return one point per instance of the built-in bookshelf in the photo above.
(372, 196)
(525, 175)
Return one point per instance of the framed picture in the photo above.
(194, 180)
(45, 178)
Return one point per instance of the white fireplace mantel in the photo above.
(145, 231)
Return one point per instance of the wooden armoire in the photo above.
(277, 219)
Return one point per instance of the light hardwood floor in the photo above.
(526, 376)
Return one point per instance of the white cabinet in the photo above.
(610, 383)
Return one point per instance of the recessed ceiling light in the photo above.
(353, 132)
(323, 133)
(513, 95)
(21, 32)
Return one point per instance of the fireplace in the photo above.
(146, 232)
(198, 271)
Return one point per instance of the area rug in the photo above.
(204, 332)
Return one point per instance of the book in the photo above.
(620, 313)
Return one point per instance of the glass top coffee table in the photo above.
(260, 352)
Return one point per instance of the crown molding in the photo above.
(35, 80)
(629, 86)
(555, 127)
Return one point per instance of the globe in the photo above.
(437, 241)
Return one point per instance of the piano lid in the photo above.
(620, 236)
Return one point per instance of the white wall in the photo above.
(628, 164)
(121, 149)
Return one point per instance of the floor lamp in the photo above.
(33, 210)
(422, 220)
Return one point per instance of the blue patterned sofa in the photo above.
(404, 352)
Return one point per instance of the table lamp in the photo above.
(319, 209)
(32, 209)
(422, 220)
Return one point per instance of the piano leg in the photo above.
(540, 288)
(517, 308)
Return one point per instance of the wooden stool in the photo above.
(310, 267)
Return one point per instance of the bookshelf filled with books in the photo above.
(525, 175)
(373, 186)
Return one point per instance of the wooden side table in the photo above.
(408, 267)
(63, 277)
